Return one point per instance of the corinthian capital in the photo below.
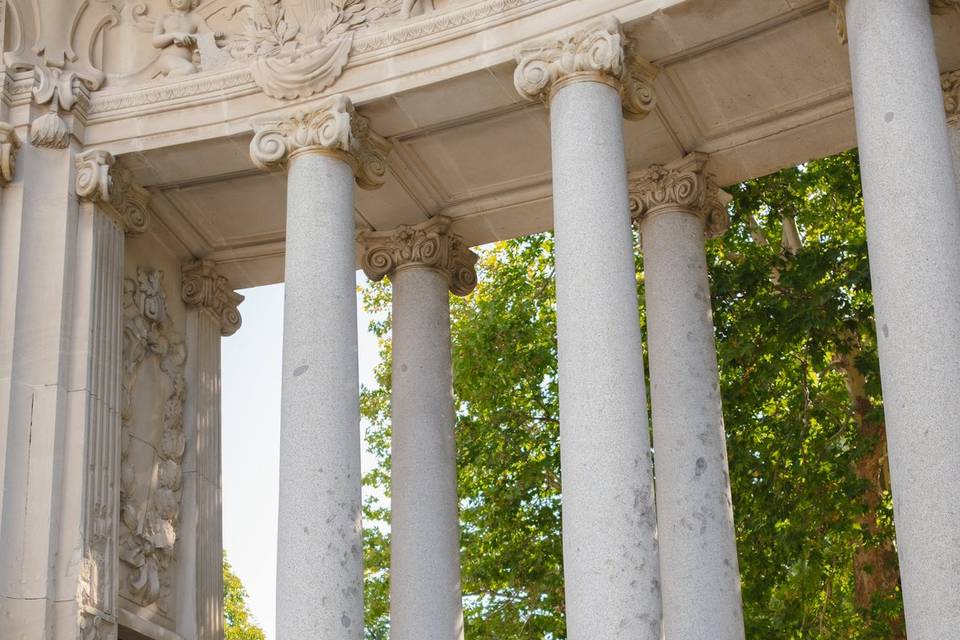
(203, 287)
(99, 179)
(681, 185)
(9, 145)
(334, 128)
(429, 244)
(600, 52)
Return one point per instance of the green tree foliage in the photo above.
(239, 623)
(804, 422)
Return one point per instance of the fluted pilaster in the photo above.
(430, 244)
(599, 52)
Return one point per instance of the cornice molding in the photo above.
(101, 181)
(429, 244)
(9, 146)
(839, 8)
(683, 185)
(334, 127)
(204, 288)
(599, 52)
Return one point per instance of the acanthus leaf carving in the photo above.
(429, 244)
(61, 89)
(333, 126)
(599, 51)
(203, 287)
(150, 515)
(683, 185)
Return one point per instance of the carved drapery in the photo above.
(683, 185)
(599, 52)
(839, 7)
(100, 180)
(333, 127)
(205, 288)
(430, 244)
(149, 515)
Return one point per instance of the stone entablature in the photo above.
(99, 179)
(332, 127)
(205, 288)
(599, 52)
(683, 185)
(430, 244)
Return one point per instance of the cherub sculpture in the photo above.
(408, 6)
(176, 34)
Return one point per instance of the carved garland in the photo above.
(429, 244)
(148, 529)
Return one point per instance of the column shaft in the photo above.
(609, 521)
(698, 555)
(320, 550)
(913, 232)
(425, 600)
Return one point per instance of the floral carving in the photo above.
(9, 145)
(429, 244)
(290, 60)
(99, 179)
(203, 287)
(599, 51)
(950, 82)
(149, 519)
(682, 185)
(334, 126)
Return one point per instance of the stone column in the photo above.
(320, 548)
(211, 314)
(611, 576)
(677, 205)
(913, 234)
(423, 262)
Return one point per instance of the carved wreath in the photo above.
(149, 526)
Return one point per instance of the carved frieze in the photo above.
(598, 52)
(333, 127)
(429, 244)
(203, 287)
(99, 179)
(153, 440)
(683, 185)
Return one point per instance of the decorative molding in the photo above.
(203, 287)
(333, 127)
(100, 180)
(839, 7)
(9, 145)
(150, 519)
(950, 82)
(600, 52)
(681, 185)
(61, 90)
(429, 244)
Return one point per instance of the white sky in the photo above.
(251, 361)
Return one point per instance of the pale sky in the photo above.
(251, 441)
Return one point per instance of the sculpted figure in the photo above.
(176, 34)
(408, 6)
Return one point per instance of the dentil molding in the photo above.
(334, 127)
(429, 244)
(100, 180)
(839, 7)
(598, 52)
(203, 287)
(682, 185)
